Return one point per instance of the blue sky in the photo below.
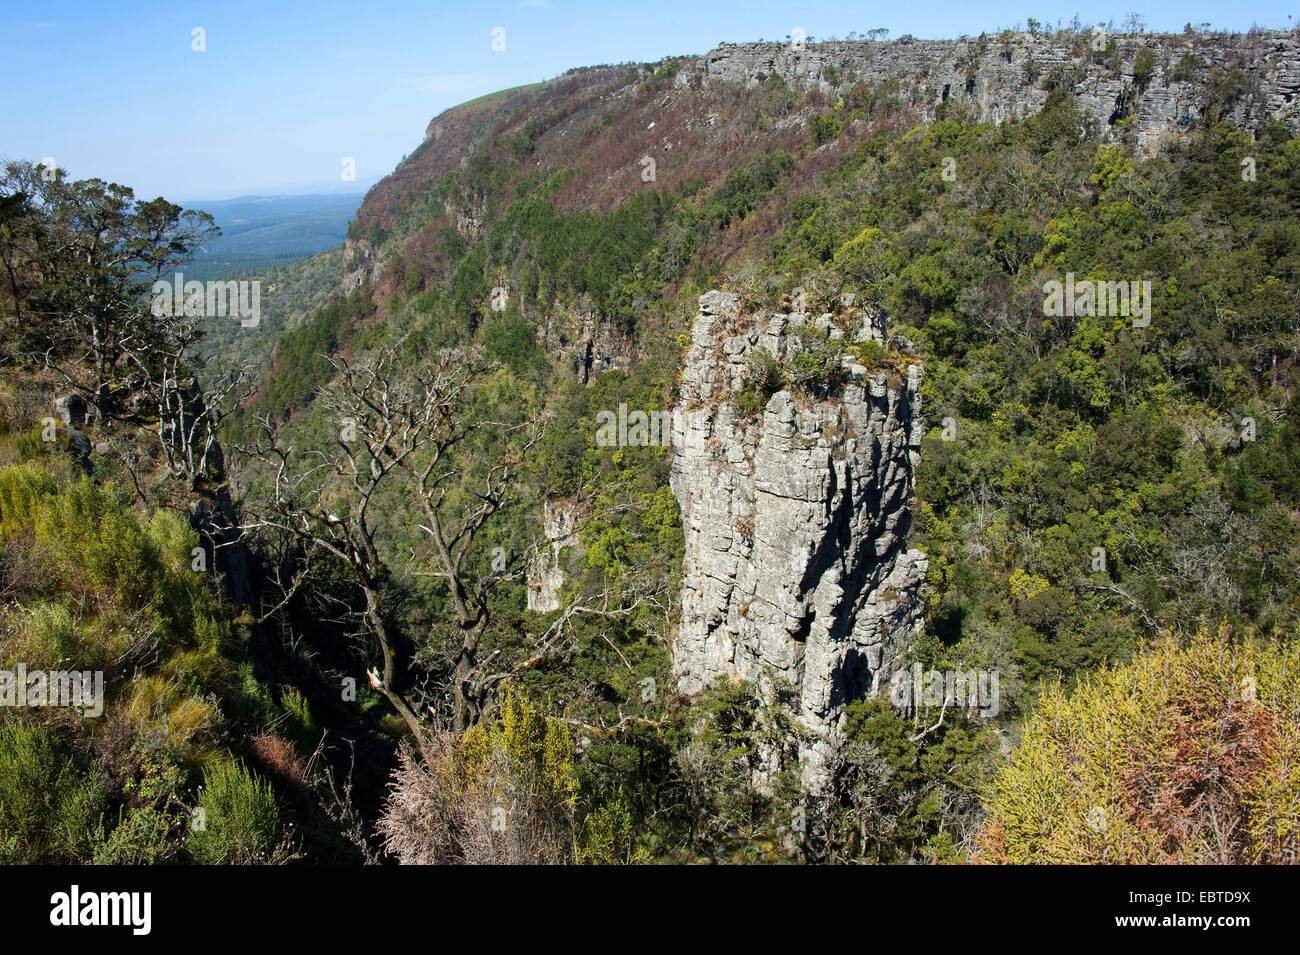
(285, 90)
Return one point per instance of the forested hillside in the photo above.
(368, 582)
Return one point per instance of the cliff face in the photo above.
(1000, 76)
(585, 342)
(545, 577)
(797, 568)
(607, 120)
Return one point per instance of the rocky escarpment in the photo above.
(797, 569)
(358, 264)
(1006, 76)
(585, 342)
(545, 576)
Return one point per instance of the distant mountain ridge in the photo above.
(261, 232)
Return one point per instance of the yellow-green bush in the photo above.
(537, 746)
(98, 539)
(187, 722)
(1186, 755)
(23, 488)
(607, 836)
(124, 588)
(45, 638)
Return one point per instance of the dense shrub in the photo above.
(1186, 755)
(22, 490)
(241, 819)
(503, 793)
(49, 810)
(141, 837)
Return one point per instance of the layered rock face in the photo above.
(797, 568)
(545, 577)
(587, 343)
(999, 77)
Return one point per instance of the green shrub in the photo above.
(240, 822)
(1144, 64)
(49, 812)
(140, 838)
(825, 129)
(765, 379)
(23, 489)
(1185, 69)
(174, 539)
(870, 354)
(765, 371)
(815, 368)
(87, 527)
(52, 633)
(300, 727)
(607, 837)
(512, 340)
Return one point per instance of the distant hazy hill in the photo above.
(261, 232)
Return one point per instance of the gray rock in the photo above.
(545, 575)
(797, 568)
(71, 410)
(991, 76)
(78, 442)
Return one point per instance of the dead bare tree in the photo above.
(399, 424)
(454, 515)
(326, 496)
(188, 416)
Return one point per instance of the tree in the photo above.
(1144, 64)
(188, 416)
(451, 526)
(325, 496)
(79, 257)
(398, 425)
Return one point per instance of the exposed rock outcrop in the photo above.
(72, 410)
(1003, 76)
(358, 264)
(470, 217)
(797, 568)
(589, 342)
(546, 573)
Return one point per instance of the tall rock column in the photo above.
(797, 568)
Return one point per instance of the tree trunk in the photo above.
(399, 703)
(464, 702)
